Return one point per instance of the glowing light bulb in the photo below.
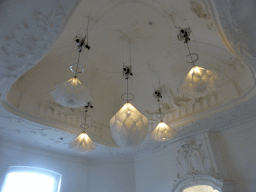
(83, 143)
(128, 126)
(72, 93)
(75, 81)
(162, 132)
(195, 70)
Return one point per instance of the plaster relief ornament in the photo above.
(128, 126)
(192, 160)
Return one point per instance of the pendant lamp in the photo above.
(72, 92)
(128, 126)
(162, 132)
(199, 81)
(83, 143)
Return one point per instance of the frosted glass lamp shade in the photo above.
(162, 132)
(83, 143)
(199, 82)
(71, 93)
(128, 126)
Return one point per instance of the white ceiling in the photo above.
(116, 28)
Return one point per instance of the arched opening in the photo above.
(23, 178)
(200, 188)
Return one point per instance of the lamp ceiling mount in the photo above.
(127, 71)
(184, 34)
(81, 43)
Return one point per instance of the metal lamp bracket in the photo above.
(81, 43)
(184, 34)
(157, 94)
(127, 72)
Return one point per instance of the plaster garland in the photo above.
(191, 159)
(198, 125)
(237, 35)
(22, 48)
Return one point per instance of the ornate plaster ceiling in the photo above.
(147, 30)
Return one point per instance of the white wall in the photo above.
(74, 170)
(149, 173)
(156, 171)
(239, 152)
(78, 174)
(111, 176)
(153, 173)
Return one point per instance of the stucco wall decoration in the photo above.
(192, 160)
(149, 26)
(26, 39)
(200, 163)
(234, 23)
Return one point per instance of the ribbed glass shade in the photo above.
(83, 143)
(199, 82)
(162, 132)
(128, 126)
(71, 93)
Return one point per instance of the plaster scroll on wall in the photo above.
(192, 160)
(27, 46)
(72, 117)
(236, 26)
(199, 9)
(175, 107)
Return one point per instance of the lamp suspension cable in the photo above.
(87, 34)
(191, 56)
(127, 73)
(158, 95)
(174, 23)
(79, 52)
(159, 109)
(85, 125)
(184, 35)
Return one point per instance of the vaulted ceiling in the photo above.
(37, 52)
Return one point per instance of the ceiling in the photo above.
(142, 32)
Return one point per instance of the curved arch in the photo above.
(215, 183)
(32, 171)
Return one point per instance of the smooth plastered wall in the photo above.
(237, 145)
(78, 174)
(111, 176)
(74, 170)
